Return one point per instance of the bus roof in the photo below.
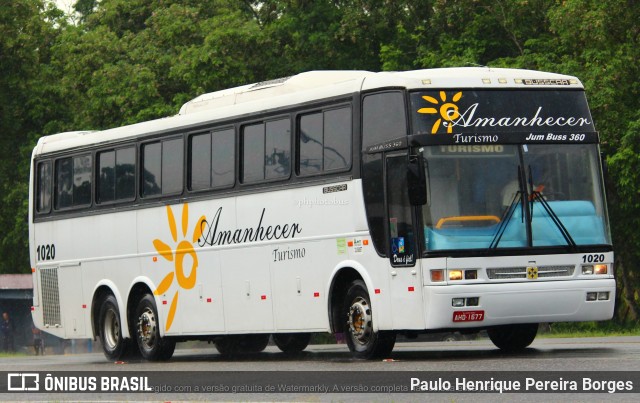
(305, 87)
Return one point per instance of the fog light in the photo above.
(587, 269)
(603, 296)
(592, 296)
(437, 275)
(455, 275)
(473, 301)
(457, 302)
(471, 274)
(600, 269)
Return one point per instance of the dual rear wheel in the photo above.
(147, 342)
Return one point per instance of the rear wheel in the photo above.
(114, 345)
(361, 338)
(292, 343)
(242, 344)
(513, 338)
(151, 345)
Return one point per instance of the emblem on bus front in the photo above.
(448, 111)
(532, 273)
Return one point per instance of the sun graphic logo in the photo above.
(186, 278)
(448, 111)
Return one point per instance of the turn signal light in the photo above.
(595, 269)
(437, 275)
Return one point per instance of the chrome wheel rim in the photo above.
(111, 329)
(147, 325)
(359, 320)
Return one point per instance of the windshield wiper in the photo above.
(508, 213)
(537, 196)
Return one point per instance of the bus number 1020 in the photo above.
(597, 258)
(46, 252)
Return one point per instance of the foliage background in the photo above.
(117, 62)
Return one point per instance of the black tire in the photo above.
(363, 342)
(152, 347)
(242, 344)
(292, 343)
(513, 338)
(114, 345)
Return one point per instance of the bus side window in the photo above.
(223, 145)
(73, 181)
(277, 156)
(324, 142)
(383, 118)
(43, 195)
(116, 175)
(266, 151)
(200, 161)
(162, 167)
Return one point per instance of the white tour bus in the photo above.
(363, 204)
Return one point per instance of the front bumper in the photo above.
(509, 303)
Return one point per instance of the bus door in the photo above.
(404, 274)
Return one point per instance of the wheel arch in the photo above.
(341, 278)
(101, 291)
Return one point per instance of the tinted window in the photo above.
(383, 118)
(200, 161)
(311, 144)
(152, 172)
(162, 167)
(82, 167)
(337, 139)
(73, 181)
(64, 183)
(126, 173)
(172, 166)
(116, 175)
(43, 203)
(223, 161)
(212, 159)
(253, 153)
(325, 141)
(106, 176)
(277, 155)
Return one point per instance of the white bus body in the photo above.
(296, 251)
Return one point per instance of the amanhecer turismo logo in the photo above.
(448, 111)
(186, 279)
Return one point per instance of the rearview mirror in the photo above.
(416, 181)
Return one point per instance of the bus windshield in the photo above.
(513, 196)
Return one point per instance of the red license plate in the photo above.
(468, 316)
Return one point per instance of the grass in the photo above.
(10, 355)
(590, 329)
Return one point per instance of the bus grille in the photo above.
(505, 273)
(50, 296)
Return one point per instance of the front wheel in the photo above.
(114, 345)
(512, 338)
(363, 342)
(151, 345)
(292, 343)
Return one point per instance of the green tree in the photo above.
(27, 102)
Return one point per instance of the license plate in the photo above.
(468, 316)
